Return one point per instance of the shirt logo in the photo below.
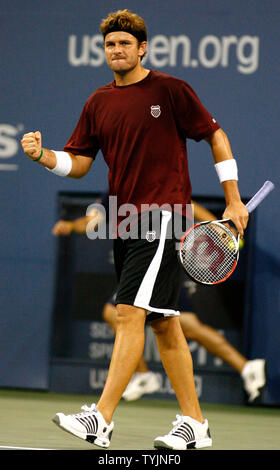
(151, 236)
(155, 111)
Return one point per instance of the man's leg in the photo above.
(127, 351)
(212, 340)
(143, 381)
(109, 315)
(177, 362)
(94, 423)
(252, 371)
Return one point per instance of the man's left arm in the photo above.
(235, 209)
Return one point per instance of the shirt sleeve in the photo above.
(83, 140)
(192, 118)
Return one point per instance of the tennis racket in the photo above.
(209, 251)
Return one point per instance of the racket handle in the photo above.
(259, 196)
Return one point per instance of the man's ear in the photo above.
(142, 49)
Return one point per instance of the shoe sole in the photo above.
(91, 438)
(58, 420)
(202, 443)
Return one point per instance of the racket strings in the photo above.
(209, 252)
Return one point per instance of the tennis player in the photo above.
(140, 121)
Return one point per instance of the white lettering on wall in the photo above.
(9, 145)
(175, 51)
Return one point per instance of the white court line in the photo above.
(23, 448)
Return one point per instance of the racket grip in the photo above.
(259, 196)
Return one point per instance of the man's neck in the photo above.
(133, 76)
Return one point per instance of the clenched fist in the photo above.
(32, 144)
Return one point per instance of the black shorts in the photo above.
(148, 271)
(185, 303)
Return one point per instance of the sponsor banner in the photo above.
(89, 378)
(211, 51)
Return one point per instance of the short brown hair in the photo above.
(124, 20)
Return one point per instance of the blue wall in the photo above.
(51, 60)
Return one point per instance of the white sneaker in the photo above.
(88, 425)
(254, 377)
(186, 434)
(141, 383)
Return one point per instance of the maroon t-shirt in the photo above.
(141, 130)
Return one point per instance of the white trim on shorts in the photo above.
(145, 290)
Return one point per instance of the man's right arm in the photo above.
(80, 225)
(32, 147)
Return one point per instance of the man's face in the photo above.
(123, 51)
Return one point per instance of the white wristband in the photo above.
(227, 170)
(63, 163)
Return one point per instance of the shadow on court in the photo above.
(26, 422)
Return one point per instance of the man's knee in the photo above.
(168, 333)
(126, 314)
(163, 325)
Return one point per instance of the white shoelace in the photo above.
(177, 423)
(86, 409)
